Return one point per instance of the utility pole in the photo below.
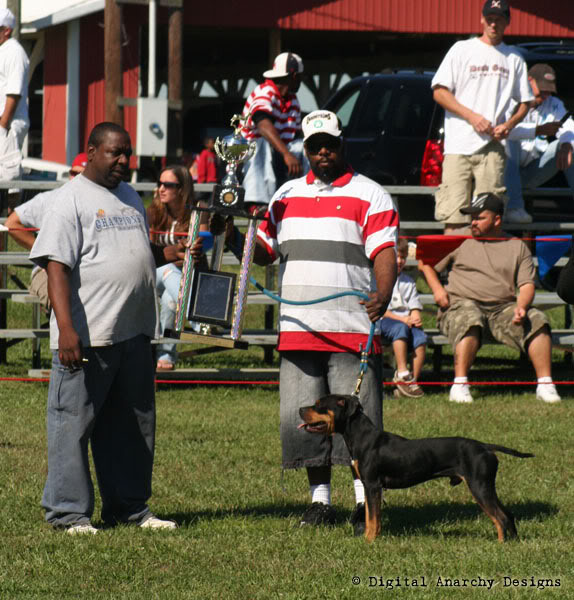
(14, 6)
(175, 77)
(113, 61)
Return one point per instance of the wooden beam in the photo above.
(113, 61)
(274, 45)
(175, 80)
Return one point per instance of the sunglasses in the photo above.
(315, 146)
(168, 185)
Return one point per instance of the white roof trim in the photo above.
(63, 16)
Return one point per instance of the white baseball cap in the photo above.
(7, 19)
(321, 121)
(285, 64)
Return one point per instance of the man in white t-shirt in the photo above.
(533, 158)
(14, 121)
(476, 83)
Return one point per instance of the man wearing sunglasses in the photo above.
(333, 231)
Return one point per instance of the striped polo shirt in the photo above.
(284, 112)
(326, 237)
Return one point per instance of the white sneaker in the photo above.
(517, 215)
(154, 523)
(81, 528)
(547, 393)
(460, 392)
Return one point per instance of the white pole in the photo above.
(151, 56)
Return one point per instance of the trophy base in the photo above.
(228, 200)
(200, 338)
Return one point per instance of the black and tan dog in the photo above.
(385, 460)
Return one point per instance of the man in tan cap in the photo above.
(274, 121)
(532, 158)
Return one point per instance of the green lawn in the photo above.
(217, 473)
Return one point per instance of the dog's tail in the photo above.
(497, 448)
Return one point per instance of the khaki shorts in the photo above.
(39, 287)
(485, 168)
(495, 321)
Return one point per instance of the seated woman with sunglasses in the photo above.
(168, 215)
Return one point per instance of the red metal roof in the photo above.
(528, 17)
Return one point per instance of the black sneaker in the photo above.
(318, 514)
(357, 519)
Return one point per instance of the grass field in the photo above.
(217, 473)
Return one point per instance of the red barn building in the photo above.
(228, 43)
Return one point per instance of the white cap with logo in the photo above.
(321, 121)
(7, 19)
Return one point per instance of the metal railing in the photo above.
(149, 187)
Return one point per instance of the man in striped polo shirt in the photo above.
(274, 122)
(333, 231)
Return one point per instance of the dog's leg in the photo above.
(372, 511)
(482, 485)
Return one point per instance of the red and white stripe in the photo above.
(285, 112)
(327, 237)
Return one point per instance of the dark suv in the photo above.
(394, 130)
(386, 119)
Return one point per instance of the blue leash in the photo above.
(364, 353)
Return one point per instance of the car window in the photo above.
(413, 110)
(373, 115)
(345, 107)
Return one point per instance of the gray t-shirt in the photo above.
(32, 213)
(102, 236)
(488, 271)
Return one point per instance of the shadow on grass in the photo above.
(424, 519)
(397, 520)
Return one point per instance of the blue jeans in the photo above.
(167, 281)
(110, 405)
(393, 329)
(533, 175)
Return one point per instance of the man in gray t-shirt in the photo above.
(94, 245)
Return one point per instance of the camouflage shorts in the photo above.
(494, 321)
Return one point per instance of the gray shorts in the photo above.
(305, 377)
(495, 321)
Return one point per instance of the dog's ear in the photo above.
(352, 403)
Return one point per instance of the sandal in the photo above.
(164, 365)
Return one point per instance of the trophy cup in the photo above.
(233, 149)
(209, 296)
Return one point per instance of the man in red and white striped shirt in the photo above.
(274, 120)
(333, 231)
